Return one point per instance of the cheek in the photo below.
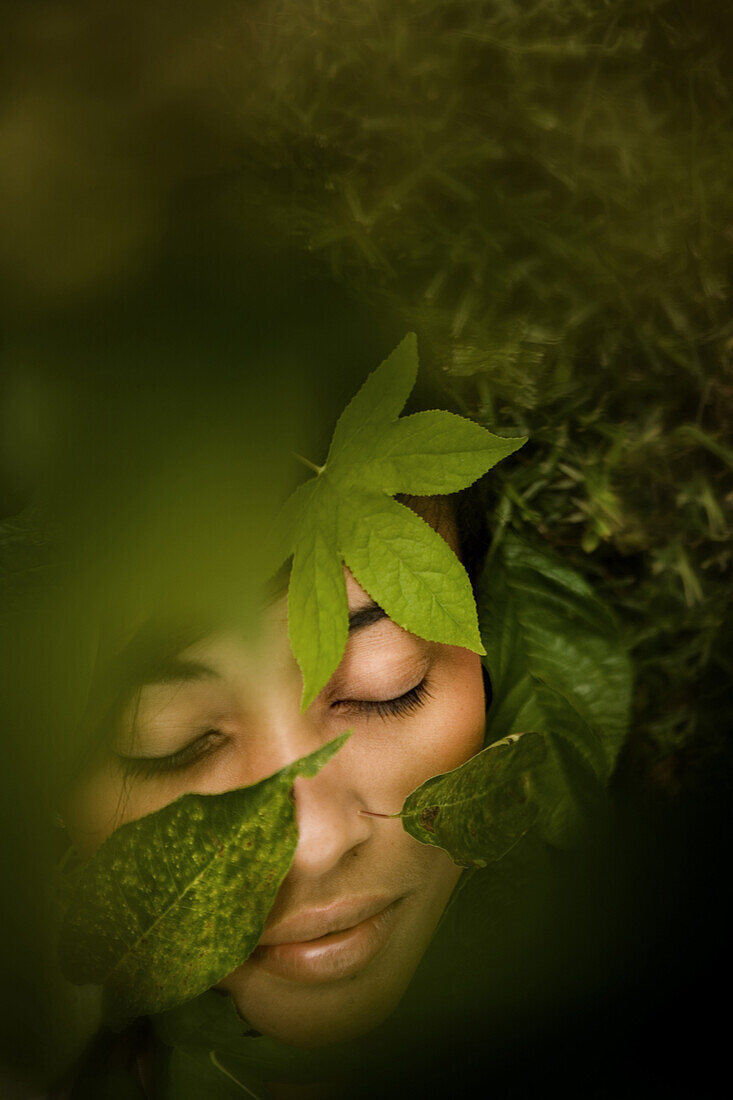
(101, 803)
(93, 812)
(444, 734)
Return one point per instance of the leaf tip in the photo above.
(406, 354)
(308, 766)
(307, 697)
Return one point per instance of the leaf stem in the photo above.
(215, 1061)
(307, 462)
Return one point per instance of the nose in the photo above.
(330, 827)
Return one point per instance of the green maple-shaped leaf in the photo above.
(174, 901)
(346, 514)
(478, 811)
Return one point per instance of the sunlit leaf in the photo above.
(345, 515)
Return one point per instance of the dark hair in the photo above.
(473, 528)
(469, 510)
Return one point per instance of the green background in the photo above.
(215, 211)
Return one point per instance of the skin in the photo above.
(345, 856)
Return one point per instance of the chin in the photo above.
(336, 987)
(327, 974)
(319, 1017)
(320, 1025)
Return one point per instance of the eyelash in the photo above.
(386, 708)
(149, 766)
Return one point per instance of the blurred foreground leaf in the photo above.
(174, 901)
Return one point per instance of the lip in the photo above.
(327, 944)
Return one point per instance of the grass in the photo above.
(544, 192)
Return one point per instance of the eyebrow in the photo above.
(176, 670)
(365, 616)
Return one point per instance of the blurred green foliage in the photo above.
(542, 190)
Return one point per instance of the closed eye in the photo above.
(186, 757)
(401, 705)
(206, 743)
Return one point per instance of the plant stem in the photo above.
(307, 462)
(215, 1061)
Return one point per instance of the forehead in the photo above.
(269, 636)
(253, 657)
(437, 511)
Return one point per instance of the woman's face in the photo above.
(361, 901)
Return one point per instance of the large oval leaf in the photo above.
(174, 901)
(478, 811)
(558, 666)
